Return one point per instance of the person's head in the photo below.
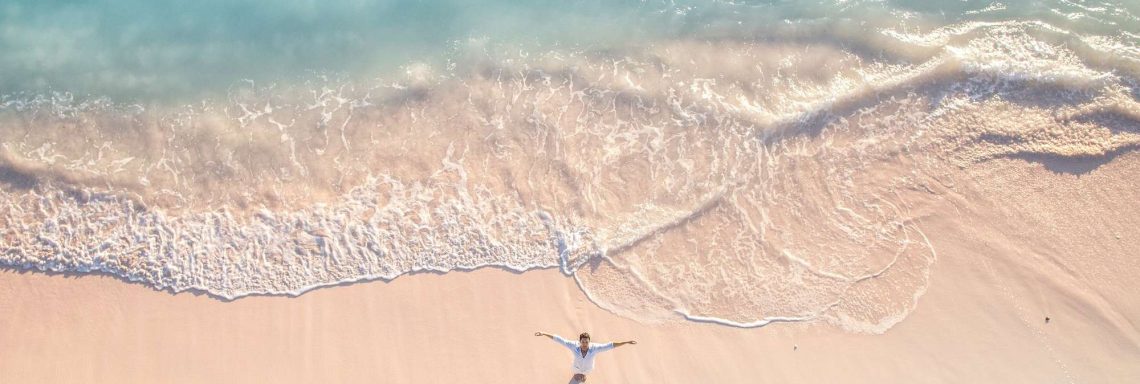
(584, 339)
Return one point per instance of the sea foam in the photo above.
(740, 181)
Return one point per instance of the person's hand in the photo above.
(538, 333)
(633, 342)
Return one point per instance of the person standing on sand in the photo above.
(584, 352)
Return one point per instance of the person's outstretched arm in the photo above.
(566, 343)
(612, 345)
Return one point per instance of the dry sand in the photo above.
(982, 319)
(477, 327)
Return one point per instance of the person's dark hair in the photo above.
(584, 335)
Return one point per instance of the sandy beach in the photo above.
(982, 320)
(405, 191)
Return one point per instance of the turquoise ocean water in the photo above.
(140, 50)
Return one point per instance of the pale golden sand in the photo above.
(973, 325)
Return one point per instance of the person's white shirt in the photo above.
(583, 364)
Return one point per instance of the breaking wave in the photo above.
(741, 181)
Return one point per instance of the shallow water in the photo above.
(735, 162)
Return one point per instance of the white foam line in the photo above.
(754, 324)
(100, 269)
(370, 277)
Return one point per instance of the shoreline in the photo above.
(479, 325)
